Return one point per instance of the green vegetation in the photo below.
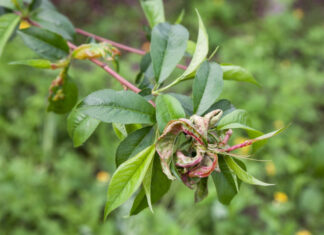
(48, 187)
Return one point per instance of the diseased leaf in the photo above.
(134, 143)
(165, 143)
(45, 43)
(241, 174)
(63, 95)
(160, 185)
(224, 182)
(168, 45)
(237, 73)
(201, 51)
(167, 108)
(202, 190)
(123, 107)
(55, 22)
(154, 11)
(8, 23)
(207, 86)
(80, 127)
(127, 179)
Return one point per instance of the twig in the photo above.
(228, 135)
(244, 144)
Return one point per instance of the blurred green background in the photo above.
(48, 187)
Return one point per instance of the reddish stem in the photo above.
(227, 136)
(244, 144)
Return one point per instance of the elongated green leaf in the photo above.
(154, 11)
(7, 4)
(127, 178)
(186, 102)
(241, 174)
(224, 182)
(159, 187)
(201, 50)
(123, 107)
(237, 73)
(180, 17)
(34, 4)
(80, 127)
(55, 22)
(168, 45)
(147, 185)
(133, 144)
(8, 23)
(237, 116)
(167, 108)
(45, 43)
(201, 190)
(36, 63)
(207, 86)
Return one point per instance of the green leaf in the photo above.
(34, 4)
(159, 187)
(63, 96)
(186, 102)
(133, 144)
(154, 11)
(225, 105)
(45, 43)
(207, 86)
(36, 63)
(238, 116)
(55, 22)
(241, 174)
(168, 45)
(80, 127)
(224, 182)
(167, 108)
(237, 73)
(127, 179)
(201, 51)
(147, 185)
(180, 17)
(122, 130)
(8, 23)
(123, 107)
(7, 4)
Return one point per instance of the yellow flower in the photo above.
(103, 176)
(278, 124)
(298, 13)
(24, 25)
(244, 150)
(270, 168)
(303, 232)
(280, 197)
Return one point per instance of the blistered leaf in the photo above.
(165, 143)
(224, 182)
(160, 184)
(154, 11)
(95, 50)
(167, 108)
(134, 143)
(207, 86)
(201, 50)
(202, 190)
(8, 23)
(168, 46)
(127, 179)
(45, 43)
(237, 73)
(63, 95)
(242, 174)
(207, 166)
(80, 127)
(123, 107)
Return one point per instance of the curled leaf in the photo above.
(95, 50)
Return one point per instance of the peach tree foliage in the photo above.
(164, 136)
